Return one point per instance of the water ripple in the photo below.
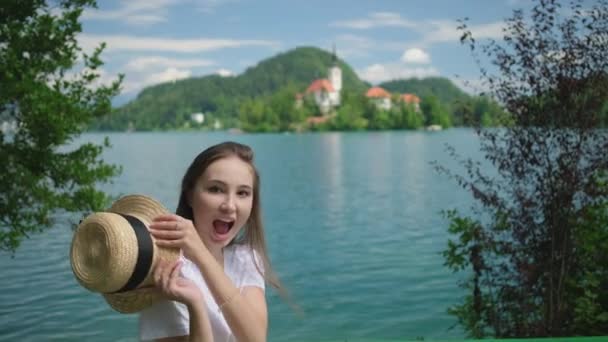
(353, 230)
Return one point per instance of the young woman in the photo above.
(217, 287)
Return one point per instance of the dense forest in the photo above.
(262, 99)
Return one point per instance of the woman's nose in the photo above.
(228, 204)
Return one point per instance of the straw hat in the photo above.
(113, 253)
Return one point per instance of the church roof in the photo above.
(322, 84)
(377, 92)
(410, 98)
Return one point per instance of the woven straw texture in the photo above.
(104, 253)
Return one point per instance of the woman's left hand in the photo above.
(175, 231)
(167, 278)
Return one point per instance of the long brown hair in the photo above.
(253, 232)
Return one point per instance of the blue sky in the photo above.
(154, 41)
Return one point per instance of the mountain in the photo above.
(168, 105)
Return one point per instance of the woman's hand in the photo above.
(175, 231)
(175, 287)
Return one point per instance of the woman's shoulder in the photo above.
(242, 251)
(245, 266)
(245, 255)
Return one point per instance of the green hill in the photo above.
(169, 105)
(442, 88)
(264, 94)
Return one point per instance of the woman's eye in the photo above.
(214, 189)
(243, 193)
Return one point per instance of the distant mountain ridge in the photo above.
(169, 105)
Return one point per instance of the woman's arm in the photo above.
(200, 326)
(245, 310)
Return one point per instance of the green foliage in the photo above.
(276, 81)
(440, 87)
(435, 113)
(156, 107)
(535, 254)
(349, 118)
(410, 118)
(42, 173)
(591, 240)
(380, 119)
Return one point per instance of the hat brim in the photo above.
(145, 209)
(134, 301)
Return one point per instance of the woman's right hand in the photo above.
(174, 286)
(174, 231)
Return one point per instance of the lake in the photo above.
(353, 225)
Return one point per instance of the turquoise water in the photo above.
(353, 227)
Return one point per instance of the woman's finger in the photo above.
(167, 234)
(167, 217)
(175, 273)
(165, 225)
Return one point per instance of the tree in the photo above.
(536, 251)
(43, 171)
(435, 112)
(411, 117)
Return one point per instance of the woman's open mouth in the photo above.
(222, 228)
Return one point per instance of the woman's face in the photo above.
(221, 200)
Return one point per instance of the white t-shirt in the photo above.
(170, 318)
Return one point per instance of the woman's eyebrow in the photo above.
(246, 186)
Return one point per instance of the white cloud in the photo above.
(416, 56)
(429, 32)
(136, 81)
(376, 19)
(135, 43)
(445, 31)
(169, 74)
(147, 12)
(377, 73)
(151, 62)
(352, 46)
(224, 72)
(134, 12)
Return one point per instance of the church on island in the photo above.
(326, 91)
(326, 94)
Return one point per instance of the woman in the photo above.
(217, 287)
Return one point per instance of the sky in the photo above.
(155, 41)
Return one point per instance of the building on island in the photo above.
(411, 99)
(198, 118)
(326, 91)
(322, 90)
(380, 97)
